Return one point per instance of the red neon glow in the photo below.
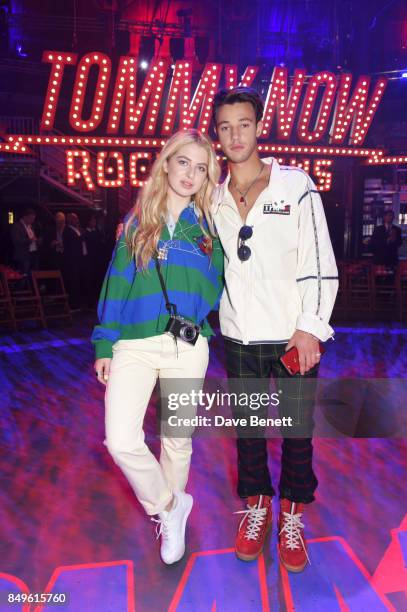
(324, 177)
(397, 159)
(247, 79)
(304, 164)
(305, 134)
(139, 172)
(58, 60)
(149, 98)
(201, 104)
(123, 94)
(351, 113)
(75, 173)
(115, 164)
(277, 105)
(139, 164)
(178, 97)
(76, 120)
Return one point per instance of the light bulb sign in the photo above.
(327, 115)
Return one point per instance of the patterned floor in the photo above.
(70, 522)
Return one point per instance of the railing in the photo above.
(18, 125)
(54, 171)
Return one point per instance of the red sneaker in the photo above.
(292, 546)
(253, 527)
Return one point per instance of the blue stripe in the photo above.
(201, 263)
(190, 305)
(128, 273)
(315, 277)
(149, 307)
(103, 333)
(306, 193)
(111, 310)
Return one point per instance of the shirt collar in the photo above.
(190, 208)
(275, 187)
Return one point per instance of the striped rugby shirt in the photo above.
(131, 303)
(290, 280)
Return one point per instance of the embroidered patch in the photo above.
(205, 244)
(276, 208)
(162, 253)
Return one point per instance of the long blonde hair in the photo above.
(150, 210)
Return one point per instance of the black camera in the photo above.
(183, 328)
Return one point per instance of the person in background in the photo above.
(25, 242)
(75, 262)
(96, 265)
(55, 244)
(386, 241)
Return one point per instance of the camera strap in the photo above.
(171, 308)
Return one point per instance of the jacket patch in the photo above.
(276, 208)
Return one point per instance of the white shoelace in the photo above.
(255, 520)
(292, 530)
(161, 528)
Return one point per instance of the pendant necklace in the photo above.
(244, 194)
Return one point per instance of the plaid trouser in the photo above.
(249, 368)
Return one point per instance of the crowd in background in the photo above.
(80, 250)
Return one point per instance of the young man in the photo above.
(25, 242)
(281, 282)
(386, 241)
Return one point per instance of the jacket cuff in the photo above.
(103, 349)
(315, 325)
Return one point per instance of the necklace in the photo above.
(243, 195)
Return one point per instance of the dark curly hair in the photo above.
(238, 94)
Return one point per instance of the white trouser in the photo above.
(134, 369)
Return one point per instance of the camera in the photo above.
(183, 328)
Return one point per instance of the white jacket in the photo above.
(291, 279)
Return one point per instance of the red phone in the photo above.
(291, 361)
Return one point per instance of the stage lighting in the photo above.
(404, 75)
(143, 65)
(20, 51)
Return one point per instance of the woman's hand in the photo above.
(102, 368)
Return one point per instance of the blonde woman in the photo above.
(169, 233)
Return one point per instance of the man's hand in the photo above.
(308, 349)
(102, 368)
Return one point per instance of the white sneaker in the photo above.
(171, 527)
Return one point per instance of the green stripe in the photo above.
(177, 280)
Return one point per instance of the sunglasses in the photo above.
(243, 251)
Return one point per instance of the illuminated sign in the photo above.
(321, 108)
